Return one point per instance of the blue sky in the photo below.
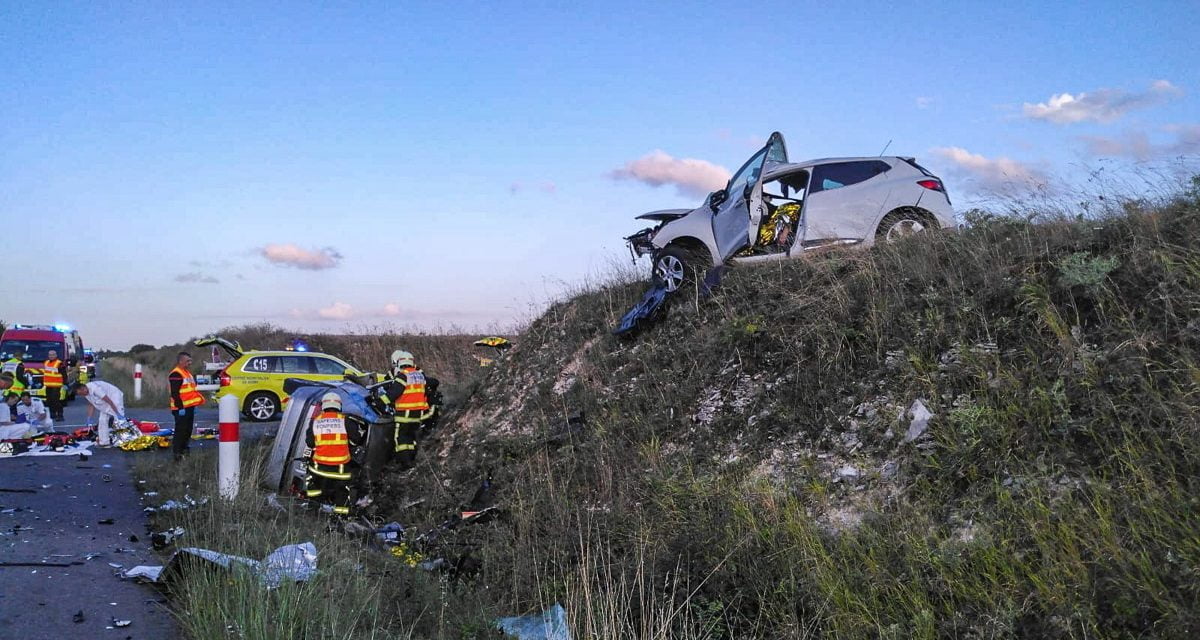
(340, 167)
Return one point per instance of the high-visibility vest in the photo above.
(187, 390)
(51, 373)
(413, 398)
(10, 366)
(331, 444)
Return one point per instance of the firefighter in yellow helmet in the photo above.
(329, 478)
(409, 394)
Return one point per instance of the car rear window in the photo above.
(262, 364)
(328, 367)
(297, 364)
(843, 174)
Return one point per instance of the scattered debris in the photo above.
(551, 624)
(163, 539)
(78, 617)
(273, 502)
(106, 521)
(121, 623)
(170, 505)
(148, 573)
(644, 312)
(3, 490)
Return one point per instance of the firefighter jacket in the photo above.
(17, 369)
(329, 440)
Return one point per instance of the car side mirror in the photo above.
(716, 198)
(350, 373)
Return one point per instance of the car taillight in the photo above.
(932, 185)
(224, 378)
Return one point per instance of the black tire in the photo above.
(903, 223)
(677, 267)
(258, 404)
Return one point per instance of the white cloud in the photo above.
(196, 277)
(391, 309)
(990, 173)
(1101, 105)
(289, 255)
(336, 311)
(690, 176)
(924, 102)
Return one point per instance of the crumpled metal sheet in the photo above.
(550, 624)
(920, 420)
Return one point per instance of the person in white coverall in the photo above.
(106, 399)
(34, 411)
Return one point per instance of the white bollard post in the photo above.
(137, 381)
(228, 447)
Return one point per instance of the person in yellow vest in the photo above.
(184, 400)
(408, 394)
(329, 477)
(15, 367)
(54, 375)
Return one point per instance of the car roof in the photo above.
(793, 166)
(283, 352)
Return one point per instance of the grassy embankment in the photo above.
(744, 471)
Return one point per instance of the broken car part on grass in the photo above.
(294, 562)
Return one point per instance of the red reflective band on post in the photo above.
(228, 432)
(137, 374)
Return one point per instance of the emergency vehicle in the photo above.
(37, 340)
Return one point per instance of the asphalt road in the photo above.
(59, 522)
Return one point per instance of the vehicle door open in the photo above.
(738, 212)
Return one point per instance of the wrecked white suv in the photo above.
(773, 209)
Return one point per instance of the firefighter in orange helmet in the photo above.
(408, 393)
(329, 478)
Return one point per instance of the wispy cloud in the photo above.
(336, 311)
(990, 173)
(290, 255)
(924, 102)
(1101, 105)
(197, 278)
(690, 176)
(1137, 144)
(546, 186)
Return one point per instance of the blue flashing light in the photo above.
(62, 327)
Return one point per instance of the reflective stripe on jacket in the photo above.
(188, 393)
(10, 366)
(331, 443)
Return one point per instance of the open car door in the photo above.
(737, 216)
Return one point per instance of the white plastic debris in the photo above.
(145, 572)
(920, 415)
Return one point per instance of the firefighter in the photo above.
(408, 394)
(54, 374)
(184, 400)
(329, 475)
(15, 366)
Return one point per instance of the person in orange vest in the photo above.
(184, 400)
(329, 476)
(408, 393)
(54, 375)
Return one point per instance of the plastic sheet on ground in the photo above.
(294, 562)
(550, 624)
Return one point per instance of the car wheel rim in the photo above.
(262, 408)
(904, 228)
(670, 270)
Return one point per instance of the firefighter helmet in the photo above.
(331, 402)
(401, 358)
